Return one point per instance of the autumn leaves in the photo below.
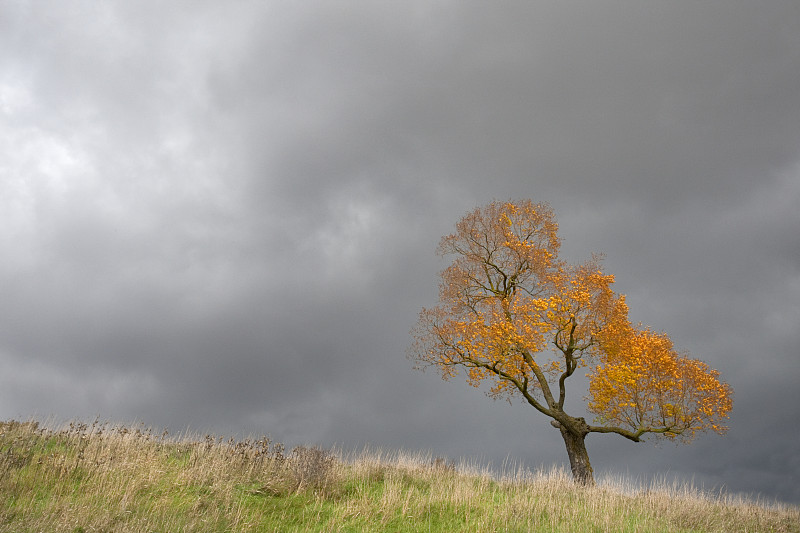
(644, 384)
(514, 315)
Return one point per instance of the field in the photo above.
(95, 477)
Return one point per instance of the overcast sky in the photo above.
(223, 216)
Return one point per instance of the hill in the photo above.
(95, 477)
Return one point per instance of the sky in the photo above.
(223, 216)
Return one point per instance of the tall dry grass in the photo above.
(98, 477)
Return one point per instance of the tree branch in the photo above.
(634, 436)
(522, 386)
(540, 377)
(570, 362)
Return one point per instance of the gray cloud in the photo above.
(225, 217)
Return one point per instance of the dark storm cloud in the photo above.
(225, 217)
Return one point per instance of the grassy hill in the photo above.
(86, 478)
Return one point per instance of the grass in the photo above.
(90, 478)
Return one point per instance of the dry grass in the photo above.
(85, 478)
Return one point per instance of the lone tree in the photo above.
(516, 316)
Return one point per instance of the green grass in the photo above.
(87, 478)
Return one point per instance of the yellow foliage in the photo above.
(642, 383)
(515, 315)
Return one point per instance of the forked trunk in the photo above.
(582, 471)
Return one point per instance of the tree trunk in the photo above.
(582, 471)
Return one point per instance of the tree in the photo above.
(515, 316)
